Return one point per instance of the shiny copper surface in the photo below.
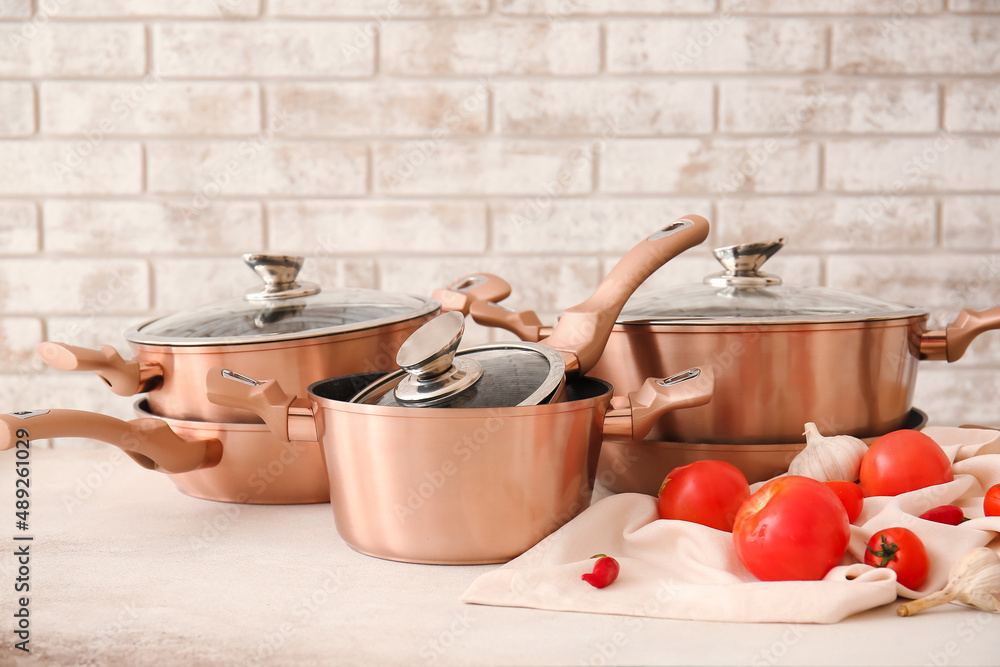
(639, 466)
(296, 364)
(255, 468)
(850, 378)
(454, 486)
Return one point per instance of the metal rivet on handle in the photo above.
(683, 376)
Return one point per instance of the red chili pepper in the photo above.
(605, 571)
(949, 514)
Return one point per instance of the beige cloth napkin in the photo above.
(682, 570)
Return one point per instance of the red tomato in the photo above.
(900, 550)
(850, 496)
(705, 492)
(792, 528)
(991, 503)
(903, 461)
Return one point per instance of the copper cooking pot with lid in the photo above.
(283, 328)
(782, 355)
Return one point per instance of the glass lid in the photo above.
(283, 309)
(742, 294)
(435, 374)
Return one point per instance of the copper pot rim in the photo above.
(707, 326)
(308, 338)
(596, 390)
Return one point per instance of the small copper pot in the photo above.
(454, 485)
(237, 463)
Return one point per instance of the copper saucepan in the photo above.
(458, 485)
(243, 463)
(782, 356)
(290, 330)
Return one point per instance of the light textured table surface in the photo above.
(125, 570)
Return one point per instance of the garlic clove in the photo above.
(828, 458)
(974, 579)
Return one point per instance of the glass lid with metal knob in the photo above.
(282, 309)
(743, 294)
(434, 373)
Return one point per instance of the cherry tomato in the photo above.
(991, 503)
(706, 492)
(851, 497)
(903, 461)
(792, 528)
(900, 550)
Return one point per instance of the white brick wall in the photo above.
(399, 145)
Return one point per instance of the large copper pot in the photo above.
(781, 356)
(286, 329)
(240, 463)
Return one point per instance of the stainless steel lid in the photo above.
(742, 294)
(283, 309)
(433, 373)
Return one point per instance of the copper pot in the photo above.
(639, 466)
(287, 329)
(241, 463)
(458, 485)
(782, 356)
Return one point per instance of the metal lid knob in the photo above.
(742, 264)
(279, 273)
(434, 373)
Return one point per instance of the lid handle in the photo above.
(742, 264)
(279, 273)
(428, 356)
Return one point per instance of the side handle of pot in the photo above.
(655, 398)
(266, 399)
(476, 288)
(125, 377)
(149, 442)
(584, 329)
(952, 343)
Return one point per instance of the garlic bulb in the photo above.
(835, 457)
(974, 579)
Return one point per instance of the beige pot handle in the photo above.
(265, 399)
(125, 377)
(149, 442)
(965, 328)
(584, 329)
(657, 397)
(472, 289)
(524, 323)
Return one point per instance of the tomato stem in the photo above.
(887, 553)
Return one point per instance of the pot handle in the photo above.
(524, 324)
(657, 397)
(266, 399)
(149, 442)
(966, 327)
(126, 378)
(583, 330)
(478, 287)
